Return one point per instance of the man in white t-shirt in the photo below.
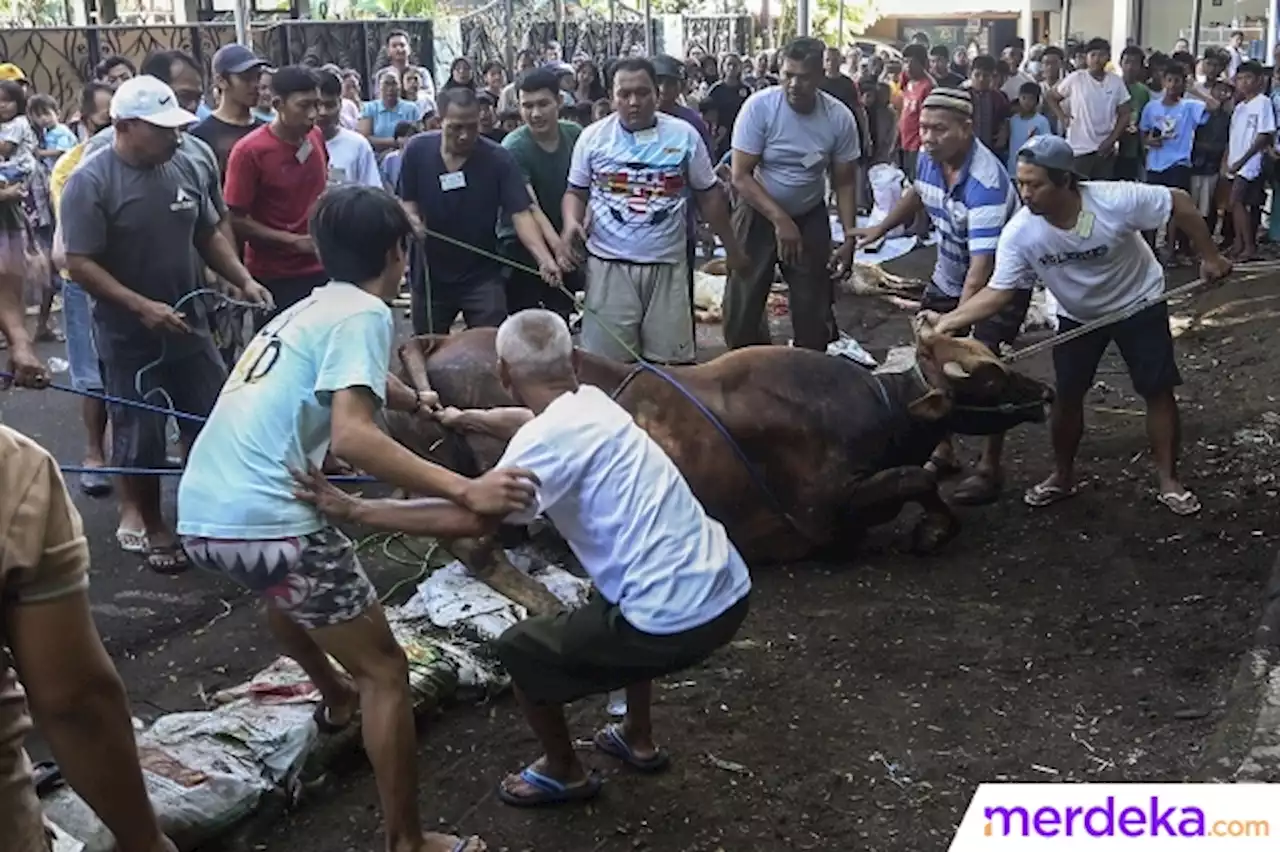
(1253, 129)
(636, 171)
(313, 379)
(1093, 105)
(1084, 241)
(351, 157)
(670, 588)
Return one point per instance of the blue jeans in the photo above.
(77, 326)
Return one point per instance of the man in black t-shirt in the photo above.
(236, 70)
(730, 91)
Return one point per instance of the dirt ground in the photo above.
(862, 703)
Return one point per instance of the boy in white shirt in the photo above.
(1253, 127)
(670, 586)
(1083, 241)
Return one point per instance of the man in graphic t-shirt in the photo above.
(1084, 241)
(635, 170)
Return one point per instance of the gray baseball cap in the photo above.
(236, 59)
(1049, 152)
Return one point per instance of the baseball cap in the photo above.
(1049, 152)
(668, 66)
(151, 100)
(12, 73)
(236, 59)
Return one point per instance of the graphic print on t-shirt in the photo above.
(639, 188)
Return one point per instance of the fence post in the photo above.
(94, 45)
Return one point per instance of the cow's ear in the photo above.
(934, 405)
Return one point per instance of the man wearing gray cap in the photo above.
(965, 190)
(236, 72)
(1083, 239)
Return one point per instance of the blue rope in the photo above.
(171, 471)
(106, 397)
(164, 339)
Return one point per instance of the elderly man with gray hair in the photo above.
(670, 588)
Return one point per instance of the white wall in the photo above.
(1164, 20)
(1092, 19)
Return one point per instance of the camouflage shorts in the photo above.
(315, 579)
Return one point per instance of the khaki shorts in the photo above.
(646, 305)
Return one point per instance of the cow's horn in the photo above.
(953, 370)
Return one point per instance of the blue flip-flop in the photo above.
(462, 844)
(609, 740)
(549, 791)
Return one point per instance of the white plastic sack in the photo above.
(886, 189)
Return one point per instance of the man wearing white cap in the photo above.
(136, 224)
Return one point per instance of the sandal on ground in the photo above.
(95, 484)
(548, 791)
(941, 467)
(326, 725)
(167, 559)
(980, 489)
(46, 776)
(609, 740)
(465, 843)
(1183, 504)
(50, 335)
(132, 541)
(1046, 494)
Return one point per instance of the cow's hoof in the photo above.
(933, 532)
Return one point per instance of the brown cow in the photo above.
(796, 452)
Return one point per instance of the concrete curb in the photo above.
(1245, 745)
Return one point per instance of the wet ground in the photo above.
(862, 702)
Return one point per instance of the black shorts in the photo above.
(1250, 193)
(992, 332)
(556, 659)
(1174, 177)
(191, 381)
(1144, 341)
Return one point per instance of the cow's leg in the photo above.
(910, 485)
(489, 564)
(413, 357)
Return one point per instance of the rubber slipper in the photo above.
(327, 725)
(609, 740)
(46, 776)
(980, 489)
(167, 559)
(1044, 495)
(132, 541)
(549, 791)
(1183, 504)
(95, 484)
(465, 842)
(943, 468)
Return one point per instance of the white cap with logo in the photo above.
(149, 99)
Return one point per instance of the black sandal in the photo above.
(168, 560)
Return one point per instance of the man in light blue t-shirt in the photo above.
(1168, 125)
(310, 381)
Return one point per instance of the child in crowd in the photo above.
(719, 133)
(392, 161)
(1253, 131)
(1208, 151)
(1168, 126)
(601, 109)
(55, 137)
(1027, 121)
(990, 106)
(582, 113)
(509, 120)
(1130, 156)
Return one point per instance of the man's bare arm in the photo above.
(78, 702)
(501, 422)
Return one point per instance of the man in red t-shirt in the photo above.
(274, 175)
(917, 86)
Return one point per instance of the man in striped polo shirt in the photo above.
(967, 193)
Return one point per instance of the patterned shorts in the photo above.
(314, 579)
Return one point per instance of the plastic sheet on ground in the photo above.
(889, 249)
(208, 771)
(454, 600)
